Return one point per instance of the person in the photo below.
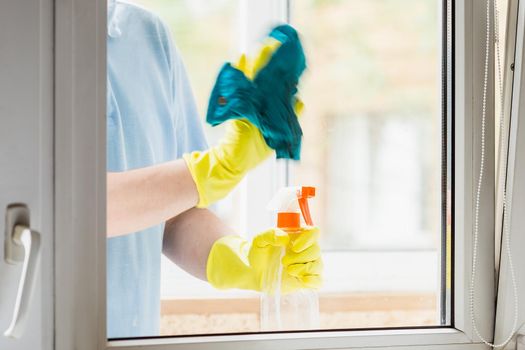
(162, 176)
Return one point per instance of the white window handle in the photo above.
(22, 245)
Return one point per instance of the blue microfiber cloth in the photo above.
(267, 101)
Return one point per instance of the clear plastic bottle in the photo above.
(300, 309)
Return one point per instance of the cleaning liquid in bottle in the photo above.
(299, 309)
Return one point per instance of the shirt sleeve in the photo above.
(189, 129)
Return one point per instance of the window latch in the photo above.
(22, 245)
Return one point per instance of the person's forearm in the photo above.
(188, 239)
(145, 197)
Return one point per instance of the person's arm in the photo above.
(204, 246)
(188, 239)
(145, 197)
(141, 198)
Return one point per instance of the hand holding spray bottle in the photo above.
(299, 309)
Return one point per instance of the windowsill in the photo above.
(328, 303)
(350, 310)
(308, 340)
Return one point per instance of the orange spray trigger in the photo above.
(302, 197)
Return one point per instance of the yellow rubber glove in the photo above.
(234, 262)
(219, 169)
(303, 265)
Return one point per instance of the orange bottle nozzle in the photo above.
(288, 215)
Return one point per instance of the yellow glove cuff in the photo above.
(212, 177)
(228, 265)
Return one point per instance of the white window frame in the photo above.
(80, 200)
(514, 167)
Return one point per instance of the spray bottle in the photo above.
(300, 309)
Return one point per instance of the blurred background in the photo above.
(373, 123)
(372, 147)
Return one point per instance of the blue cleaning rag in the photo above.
(267, 101)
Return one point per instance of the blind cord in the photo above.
(501, 184)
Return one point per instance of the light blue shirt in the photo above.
(151, 119)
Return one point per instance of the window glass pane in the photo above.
(372, 147)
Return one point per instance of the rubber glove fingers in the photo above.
(303, 265)
(250, 68)
(269, 46)
(310, 268)
(299, 276)
(242, 64)
(272, 237)
(312, 281)
(298, 107)
(306, 238)
(311, 253)
(291, 283)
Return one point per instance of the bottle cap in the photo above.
(288, 220)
